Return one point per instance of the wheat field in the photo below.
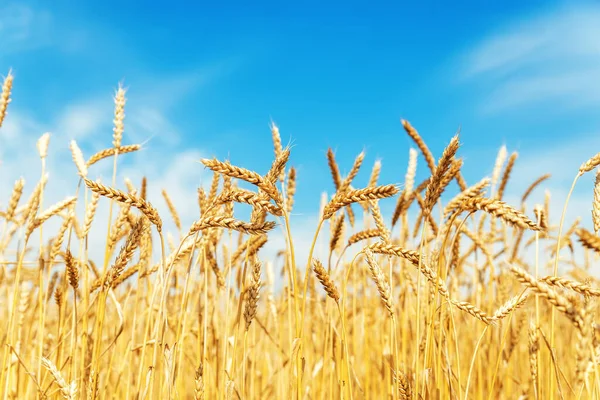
(446, 298)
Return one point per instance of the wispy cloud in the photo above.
(88, 120)
(23, 28)
(552, 58)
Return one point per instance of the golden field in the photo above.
(471, 312)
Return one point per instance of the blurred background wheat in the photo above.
(447, 297)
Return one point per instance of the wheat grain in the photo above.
(137, 202)
(509, 167)
(42, 145)
(14, 199)
(434, 188)
(230, 223)
(102, 154)
(246, 175)
(325, 280)
(119, 117)
(500, 210)
(588, 239)
(252, 294)
(414, 135)
(5, 96)
(357, 195)
(172, 209)
(383, 287)
(68, 391)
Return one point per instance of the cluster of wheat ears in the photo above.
(453, 304)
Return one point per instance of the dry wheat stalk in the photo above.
(409, 183)
(363, 235)
(345, 184)
(473, 311)
(256, 243)
(199, 383)
(596, 204)
(278, 148)
(230, 223)
(430, 275)
(405, 200)
(540, 214)
(43, 217)
(51, 285)
(58, 240)
(342, 199)
(119, 117)
(214, 187)
(375, 173)
(130, 187)
(534, 346)
(376, 213)
(531, 187)
(212, 261)
(500, 159)
(509, 167)
(102, 154)
(137, 202)
(291, 190)
(72, 270)
(372, 180)
(500, 210)
(553, 297)
(118, 227)
(42, 145)
(14, 199)
(172, 209)
(428, 217)
(588, 239)
(383, 287)
(68, 391)
(414, 135)
(334, 169)
(404, 388)
(253, 294)
(126, 252)
(590, 164)
(434, 188)
(247, 197)
(452, 173)
(473, 191)
(276, 139)
(578, 287)
(278, 167)
(325, 280)
(411, 172)
(202, 201)
(176, 257)
(511, 305)
(128, 273)
(252, 177)
(584, 338)
(78, 159)
(5, 96)
(90, 212)
(228, 186)
(336, 234)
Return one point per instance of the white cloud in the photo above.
(89, 122)
(163, 160)
(81, 120)
(23, 28)
(553, 58)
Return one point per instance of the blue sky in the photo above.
(205, 79)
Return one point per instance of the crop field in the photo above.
(457, 294)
